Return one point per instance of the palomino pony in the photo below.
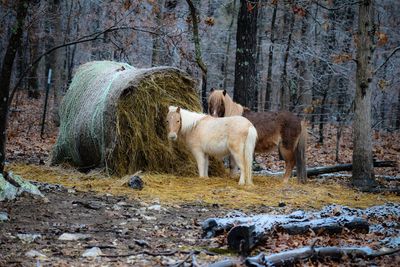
(275, 129)
(205, 135)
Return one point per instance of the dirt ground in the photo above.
(133, 233)
(151, 231)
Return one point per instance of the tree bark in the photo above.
(33, 82)
(246, 49)
(285, 87)
(268, 90)
(5, 74)
(228, 47)
(57, 60)
(199, 60)
(363, 172)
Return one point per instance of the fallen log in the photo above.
(244, 232)
(243, 238)
(331, 169)
(293, 256)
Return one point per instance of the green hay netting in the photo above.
(113, 116)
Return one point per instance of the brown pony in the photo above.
(275, 129)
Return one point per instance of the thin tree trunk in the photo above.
(322, 118)
(246, 50)
(156, 55)
(268, 90)
(285, 88)
(57, 61)
(398, 112)
(314, 71)
(33, 83)
(363, 172)
(228, 46)
(199, 60)
(5, 74)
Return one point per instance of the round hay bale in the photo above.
(113, 116)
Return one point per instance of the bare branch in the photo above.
(387, 59)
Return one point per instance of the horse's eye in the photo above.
(177, 121)
(167, 121)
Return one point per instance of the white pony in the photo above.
(205, 135)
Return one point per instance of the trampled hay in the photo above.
(171, 189)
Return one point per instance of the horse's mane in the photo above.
(231, 108)
(189, 118)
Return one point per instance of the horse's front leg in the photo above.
(206, 163)
(201, 161)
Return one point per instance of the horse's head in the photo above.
(174, 121)
(216, 103)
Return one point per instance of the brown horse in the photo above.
(275, 129)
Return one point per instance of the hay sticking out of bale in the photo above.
(113, 115)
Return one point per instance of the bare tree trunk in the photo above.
(156, 51)
(57, 61)
(285, 87)
(228, 46)
(268, 89)
(246, 50)
(5, 74)
(363, 172)
(33, 82)
(322, 118)
(398, 112)
(314, 71)
(199, 60)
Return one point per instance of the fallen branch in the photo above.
(154, 254)
(330, 169)
(336, 175)
(245, 232)
(293, 256)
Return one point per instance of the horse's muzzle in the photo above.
(172, 136)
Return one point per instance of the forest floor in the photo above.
(161, 225)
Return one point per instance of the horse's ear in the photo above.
(212, 89)
(178, 109)
(224, 92)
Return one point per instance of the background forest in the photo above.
(334, 63)
(304, 50)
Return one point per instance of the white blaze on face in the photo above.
(215, 114)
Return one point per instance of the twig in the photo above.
(384, 253)
(162, 253)
(387, 59)
(184, 260)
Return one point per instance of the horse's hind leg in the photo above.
(233, 167)
(289, 157)
(238, 156)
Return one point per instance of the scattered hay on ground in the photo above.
(170, 189)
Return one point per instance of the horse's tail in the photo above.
(249, 152)
(300, 153)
